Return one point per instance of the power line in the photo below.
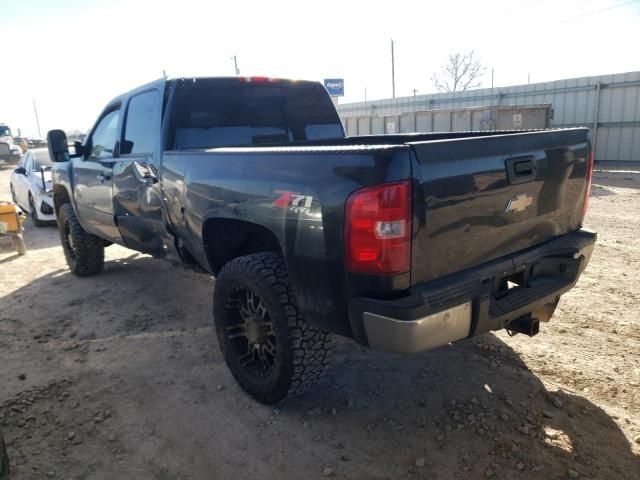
(595, 11)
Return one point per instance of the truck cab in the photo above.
(9, 151)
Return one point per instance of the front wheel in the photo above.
(267, 346)
(84, 252)
(34, 213)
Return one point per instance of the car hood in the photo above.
(37, 179)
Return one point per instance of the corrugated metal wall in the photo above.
(458, 119)
(608, 104)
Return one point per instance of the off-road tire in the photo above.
(34, 213)
(301, 352)
(18, 243)
(84, 252)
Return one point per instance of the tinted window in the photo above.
(215, 113)
(105, 135)
(141, 124)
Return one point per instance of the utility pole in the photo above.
(235, 64)
(393, 71)
(164, 74)
(365, 96)
(491, 118)
(528, 78)
(35, 109)
(415, 90)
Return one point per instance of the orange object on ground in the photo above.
(9, 219)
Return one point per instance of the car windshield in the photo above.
(221, 112)
(41, 160)
(5, 131)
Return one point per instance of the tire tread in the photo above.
(311, 347)
(89, 249)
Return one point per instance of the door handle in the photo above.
(143, 174)
(103, 177)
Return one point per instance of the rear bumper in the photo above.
(476, 300)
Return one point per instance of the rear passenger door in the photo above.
(137, 195)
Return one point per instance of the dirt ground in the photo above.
(120, 376)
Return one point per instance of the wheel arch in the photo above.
(225, 239)
(60, 197)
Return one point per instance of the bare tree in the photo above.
(461, 72)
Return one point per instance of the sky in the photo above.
(73, 56)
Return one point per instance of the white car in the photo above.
(31, 186)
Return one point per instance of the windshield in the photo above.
(5, 131)
(41, 160)
(222, 112)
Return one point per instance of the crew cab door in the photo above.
(92, 176)
(137, 192)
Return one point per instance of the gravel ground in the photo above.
(120, 376)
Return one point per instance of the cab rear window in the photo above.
(220, 113)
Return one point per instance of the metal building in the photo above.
(608, 104)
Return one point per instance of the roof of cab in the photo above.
(161, 82)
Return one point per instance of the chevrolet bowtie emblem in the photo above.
(519, 203)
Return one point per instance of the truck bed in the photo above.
(464, 182)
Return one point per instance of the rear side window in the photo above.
(103, 139)
(141, 127)
(213, 113)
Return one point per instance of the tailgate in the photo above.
(482, 198)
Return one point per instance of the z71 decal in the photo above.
(294, 202)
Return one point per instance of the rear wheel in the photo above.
(84, 252)
(267, 346)
(34, 213)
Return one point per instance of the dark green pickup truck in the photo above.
(400, 242)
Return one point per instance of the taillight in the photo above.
(378, 229)
(587, 181)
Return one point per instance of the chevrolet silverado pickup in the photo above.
(402, 243)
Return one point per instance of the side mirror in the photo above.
(20, 171)
(58, 148)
